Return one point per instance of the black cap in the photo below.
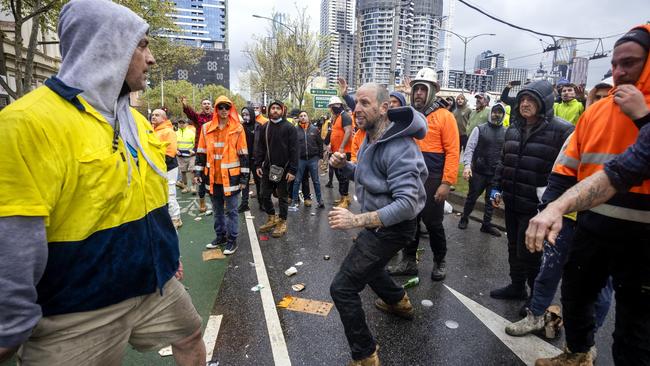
(638, 35)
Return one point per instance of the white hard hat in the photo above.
(334, 100)
(427, 75)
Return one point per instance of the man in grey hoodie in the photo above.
(389, 183)
(90, 257)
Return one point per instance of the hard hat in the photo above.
(428, 78)
(334, 100)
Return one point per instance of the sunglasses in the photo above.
(223, 107)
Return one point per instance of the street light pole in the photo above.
(465, 41)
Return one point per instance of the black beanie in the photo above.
(638, 35)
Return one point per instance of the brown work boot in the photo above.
(403, 308)
(372, 360)
(280, 228)
(345, 202)
(202, 206)
(308, 203)
(270, 224)
(567, 359)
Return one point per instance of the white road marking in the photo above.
(209, 338)
(278, 344)
(528, 348)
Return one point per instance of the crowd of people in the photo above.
(97, 197)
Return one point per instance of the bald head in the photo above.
(371, 105)
(158, 116)
(379, 91)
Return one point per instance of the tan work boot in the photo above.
(308, 203)
(180, 184)
(185, 190)
(270, 224)
(280, 228)
(345, 201)
(567, 359)
(372, 360)
(403, 308)
(202, 206)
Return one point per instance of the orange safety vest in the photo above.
(357, 140)
(226, 159)
(338, 133)
(442, 144)
(165, 133)
(261, 119)
(602, 133)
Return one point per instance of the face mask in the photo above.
(337, 110)
(246, 118)
(276, 120)
(257, 113)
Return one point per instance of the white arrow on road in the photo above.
(527, 348)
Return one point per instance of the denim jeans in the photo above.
(312, 165)
(226, 219)
(365, 265)
(554, 258)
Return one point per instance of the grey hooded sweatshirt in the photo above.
(390, 173)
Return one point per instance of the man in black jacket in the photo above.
(276, 150)
(250, 126)
(310, 147)
(532, 142)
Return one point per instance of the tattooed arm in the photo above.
(342, 219)
(591, 192)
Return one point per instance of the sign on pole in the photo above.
(314, 91)
(321, 101)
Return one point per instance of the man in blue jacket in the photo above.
(389, 183)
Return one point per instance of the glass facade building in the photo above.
(201, 23)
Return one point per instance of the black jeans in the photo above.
(593, 257)
(365, 265)
(432, 215)
(281, 188)
(344, 182)
(463, 141)
(246, 191)
(524, 265)
(477, 184)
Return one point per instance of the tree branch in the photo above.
(6, 87)
(39, 11)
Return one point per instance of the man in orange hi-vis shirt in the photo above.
(341, 141)
(441, 151)
(165, 132)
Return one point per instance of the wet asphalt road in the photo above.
(476, 263)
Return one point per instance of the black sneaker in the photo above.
(216, 243)
(231, 247)
(489, 229)
(321, 205)
(462, 224)
(329, 185)
(510, 292)
(439, 271)
(243, 208)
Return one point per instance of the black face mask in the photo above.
(337, 110)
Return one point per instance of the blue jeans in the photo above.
(312, 165)
(553, 260)
(226, 220)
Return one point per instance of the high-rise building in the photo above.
(474, 82)
(396, 38)
(579, 70)
(204, 24)
(489, 61)
(504, 75)
(425, 41)
(337, 25)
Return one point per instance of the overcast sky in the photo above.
(577, 18)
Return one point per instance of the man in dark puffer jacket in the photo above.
(532, 142)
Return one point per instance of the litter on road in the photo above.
(451, 324)
(412, 282)
(264, 237)
(327, 257)
(291, 271)
(305, 305)
(298, 287)
(427, 303)
(298, 264)
(211, 254)
(257, 288)
(199, 218)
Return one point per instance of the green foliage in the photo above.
(174, 90)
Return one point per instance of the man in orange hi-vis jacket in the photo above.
(613, 238)
(222, 154)
(441, 151)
